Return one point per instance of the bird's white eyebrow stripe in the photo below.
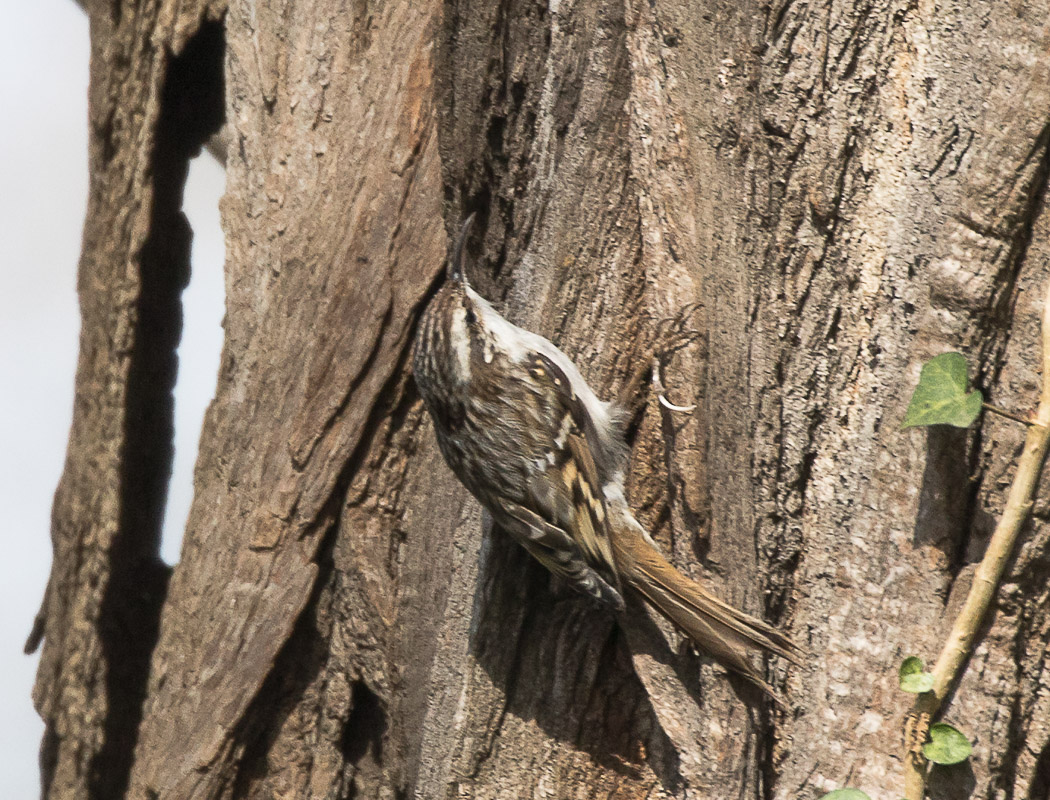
(460, 342)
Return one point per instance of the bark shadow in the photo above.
(953, 782)
(564, 663)
(946, 500)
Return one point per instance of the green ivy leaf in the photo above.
(947, 745)
(845, 794)
(941, 398)
(913, 678)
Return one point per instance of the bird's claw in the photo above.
(661, 391)
(671, 335)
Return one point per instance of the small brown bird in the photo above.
(532, 442)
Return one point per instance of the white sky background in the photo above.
(43, 190)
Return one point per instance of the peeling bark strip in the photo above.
(845, 189)
(107, 583)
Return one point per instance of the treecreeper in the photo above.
(521, 429)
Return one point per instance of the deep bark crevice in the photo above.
(995, 322)
(364, 733)
(48, 758)
(192, 109)
(1041, 778)
(996, 325)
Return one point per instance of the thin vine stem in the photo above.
(1002, 412)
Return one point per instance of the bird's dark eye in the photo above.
(471, 319)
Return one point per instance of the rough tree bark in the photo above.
(845, 188)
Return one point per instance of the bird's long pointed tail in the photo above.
(723, 632)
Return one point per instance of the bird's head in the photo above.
(455, 330)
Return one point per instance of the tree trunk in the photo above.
(845, 189)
